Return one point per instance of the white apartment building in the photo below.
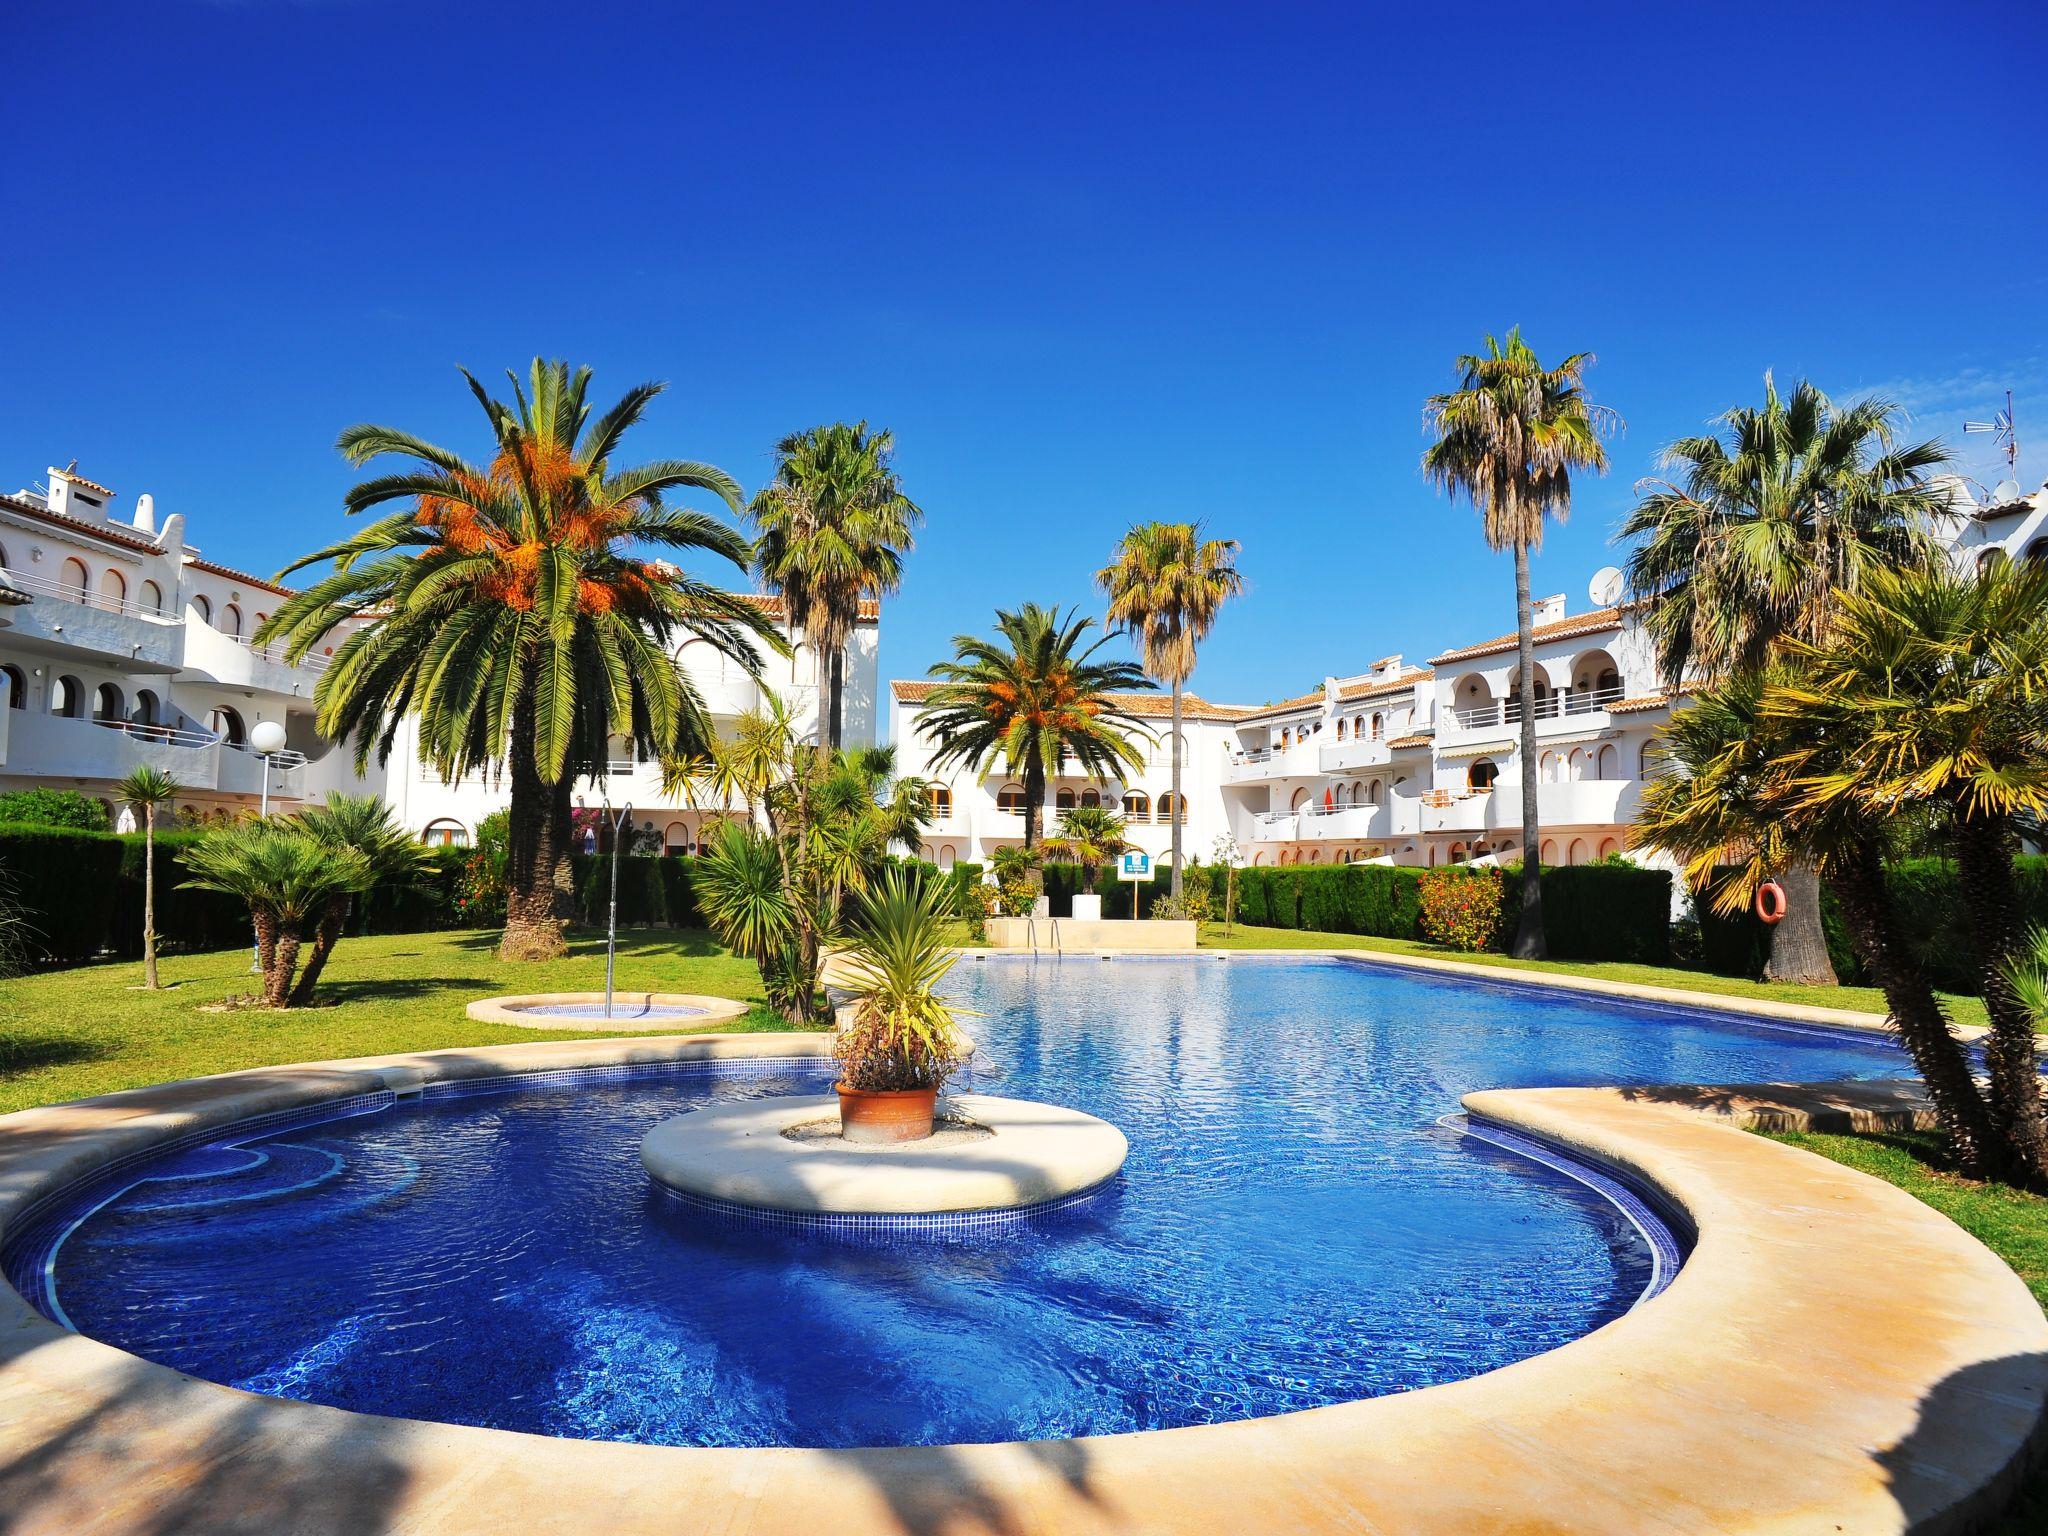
(120, 645)
(1404, 764)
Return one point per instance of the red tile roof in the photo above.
(1634, 706)
(242, 576)
(1557, 629)
(91, 485)
(1150, 706)
(1413, 739)
(1399, 683)
(111, 532)
(770, 603)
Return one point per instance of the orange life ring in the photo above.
(1770, 903)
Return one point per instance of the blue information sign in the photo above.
(1135, 865)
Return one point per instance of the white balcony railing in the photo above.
(43, 586)
(1593, 700)
(312, 661)
(1550, 706)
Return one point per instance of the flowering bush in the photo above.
(977, 906)
(1461, 908)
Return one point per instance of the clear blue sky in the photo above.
(1092, 264)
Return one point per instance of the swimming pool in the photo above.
(1294, 1227)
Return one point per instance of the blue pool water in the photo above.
(1293, 1228)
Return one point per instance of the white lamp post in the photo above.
(265, 738)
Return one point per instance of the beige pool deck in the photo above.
(1834, 1357)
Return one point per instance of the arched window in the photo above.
(1548, 853)
(1137, 805)
(1575, 765)
(1171, 809)
(67, 698)
(202, 607)
(1991, 559)
(261, 618)
(1482, 773)
(1063, 799)
(1011, 798)
(940, 801)
(1576, 854)
(231, 621)
(113, 588)
(445, 833)
(147, 710)
(74, 579)
(1457, 854)
(152, 598)
(108, 707)
(1647, 761)
(1372, 793)
(2036, 552)
(1609, 847)
(676, 840)
(1315, 855)
(1301, 798)
(227, 725)
(1286, 740)
(17, 687)
(1608, 764)
(1091, 799)
(947, 857)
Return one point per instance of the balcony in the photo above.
(1582, 803)
(1588, 707)
(1341, 758)
(1264, 764)
(116, 630)
(56, 748)
(1321, 823)
(235, 663)
(1274, 827)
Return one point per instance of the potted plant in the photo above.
(899, 1045)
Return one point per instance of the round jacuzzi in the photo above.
(1297, 1224)
(591, 1010)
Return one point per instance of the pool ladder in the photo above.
(1031, 933)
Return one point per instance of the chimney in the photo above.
(1548, 610)
(72, 495)
(145, 513)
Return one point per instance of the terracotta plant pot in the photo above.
(900, 1115)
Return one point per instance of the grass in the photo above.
(67, 1034)
(2010, 1222)
(1964, 1010)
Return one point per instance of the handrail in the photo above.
(273, 652)
(160, 735)
(86, 597)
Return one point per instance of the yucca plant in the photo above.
(287, 877)
(361, 824)
(903, 1035)
(148, 788)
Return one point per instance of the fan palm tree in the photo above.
(1933, 683)
(287, 877)
(1031, 697)
(834, 526)
(1165, 584)
(364, 825)
(1509, 439)
(148, 788)
(1729, 792)
(1088, 835)
(1749, 542)
(504, 611)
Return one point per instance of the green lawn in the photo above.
(66, 1034)
(1964, 1010)
(2011, 1224)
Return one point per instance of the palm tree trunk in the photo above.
(149, 897)
(1176, 819)
(533, 845)
(1858, 883)
(1034, 795)
(277, 980)
(1984, 869)
(1799, 942)
(325, 937)
(836, 689)
(265, 924)
(1529, 938)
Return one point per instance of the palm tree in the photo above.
(287, 877)
(1933, 684)
(503, 611)
(1729, 792)
(1508, 439)
(148, 788)
(834, 528)
(1032, 697)
(365, 825)
(1749, 543)
(1165, 584)
(1089, 836)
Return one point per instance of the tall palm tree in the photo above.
(1033, 696)
(1165, 583)
(834, 528)
(503, 610)
(1934, 684)
(148, 788)
(1729, 792)
(1508, 439)
(1748, 543)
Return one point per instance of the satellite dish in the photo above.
(2004, 491)
(1605, 588)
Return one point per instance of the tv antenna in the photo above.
(2001, 429)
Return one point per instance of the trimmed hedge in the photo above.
(67, 883)
(654, 892)
(1382, 900)
(1615, 911)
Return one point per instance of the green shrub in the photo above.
(187, 921)
(53, 808)
(66, 883)
(1610, 910)
(1462, 908)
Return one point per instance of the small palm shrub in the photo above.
(288, 877)
(902, 1035)
(1461, 908)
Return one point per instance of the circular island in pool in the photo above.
(783, 1158)
(586, 1010)
(1301, 1222)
